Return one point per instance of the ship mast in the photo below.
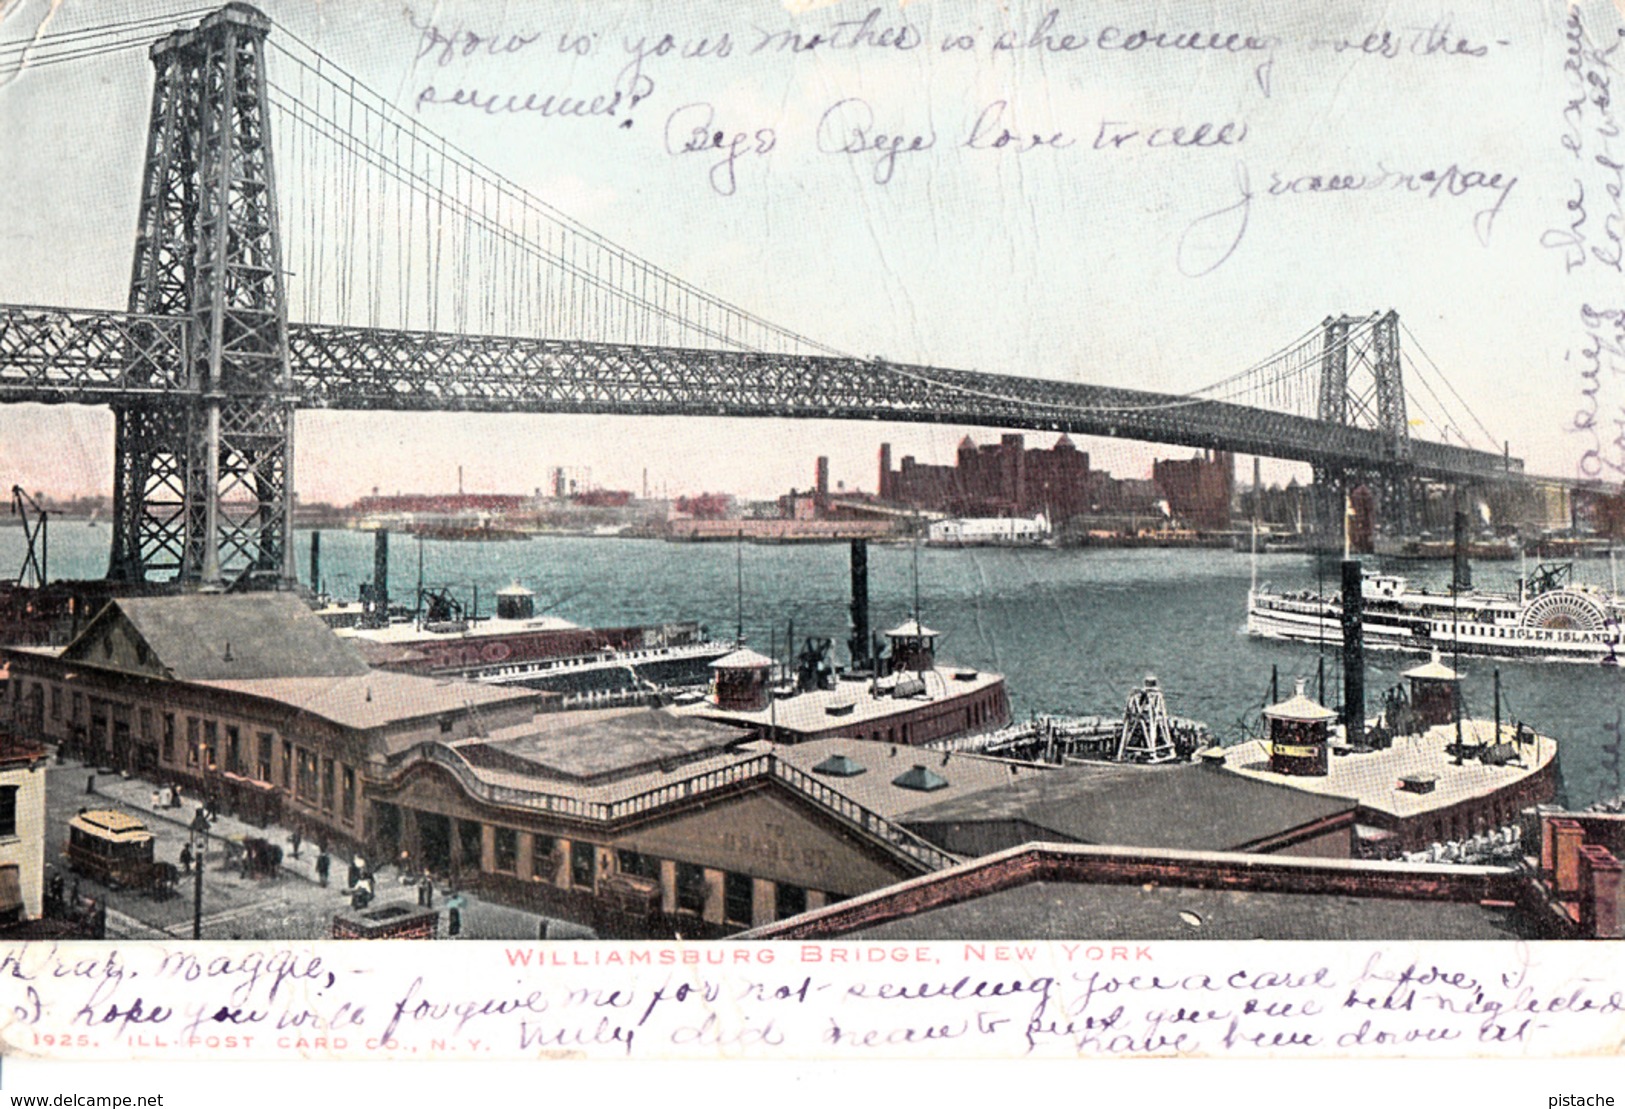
(417, 613)
(739, 589)
(1252, 587)
(1455, 625)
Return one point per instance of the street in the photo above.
(290, 905)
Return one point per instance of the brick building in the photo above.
(996, 479)
(1199, 490)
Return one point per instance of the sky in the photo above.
(1105, 253)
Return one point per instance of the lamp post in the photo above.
(200, 842)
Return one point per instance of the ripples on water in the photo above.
(1072, 630)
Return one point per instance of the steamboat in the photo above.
(519, 647)
(1549, 619)
(441, 635)
(1428, 783)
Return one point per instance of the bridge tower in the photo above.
(1361, 385)
(203, 484)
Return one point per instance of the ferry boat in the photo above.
(518, 647)
(1549, 619)
(1428, 785)
(903, 695)
(906, 698)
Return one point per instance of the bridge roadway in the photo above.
(70, 356)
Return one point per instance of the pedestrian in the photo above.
(322, 863)
(354, 875)
(74, 899)
(186, 858)
(426, 892)
(294, 839)
(454, 915)
(90, 784)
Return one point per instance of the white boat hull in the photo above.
(1315, 621)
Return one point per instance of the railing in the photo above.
(604, 660)
(824, 796)
(672, 792)
(930, 856)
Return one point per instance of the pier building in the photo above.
(246, 700)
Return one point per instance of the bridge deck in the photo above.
(53, 355)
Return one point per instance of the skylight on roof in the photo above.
(919, 778)
(839, 766)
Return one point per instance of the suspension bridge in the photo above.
(373, 264)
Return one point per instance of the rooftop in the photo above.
(208, 636)
(1056, 891)
(1372, 778)
(485, 627)
(605, 746)
(877, 789)
(1063, 910)
(1183, 806)
(742, 659)
(853, 702)
(114, 824)
(1300, 706)
(1433, 669)
(377, 698)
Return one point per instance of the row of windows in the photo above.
(320, 781)
(977, 714)
(738, 895)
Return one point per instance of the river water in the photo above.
(1072, 630)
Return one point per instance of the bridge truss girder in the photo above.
(50, 355)
(341, 367)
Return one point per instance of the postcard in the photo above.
(811, 531)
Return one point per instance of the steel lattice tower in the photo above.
(1361, 385)
(203, 485)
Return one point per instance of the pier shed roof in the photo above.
(1184, 806)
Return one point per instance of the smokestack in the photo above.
(1462, 574)
(858, 645)
(316, 561)
(823, 480)
(380, 578)
(884, 489)
(1353, 655)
